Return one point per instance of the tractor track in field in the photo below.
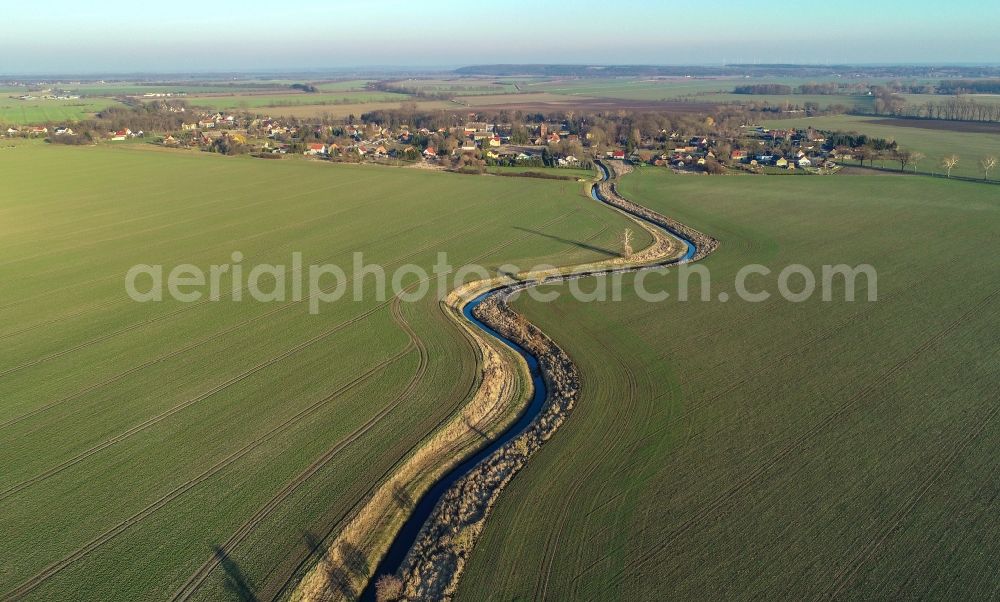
(552, 541)
(118, 301)
(198, 578)
(340, 211)
(32, 583)
(199, 219)
(95, 242)
(272, 592)
(464, 475)
(847, 574)
(716, 504)
(862, 314)
(206, 301)
(14, 489)
(275, 593)
(215, 336)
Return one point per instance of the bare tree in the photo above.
(988, 163)
(863, 153)
(388, 588)
(949, 163)
(521, 326)
(916, 157)
(626, 240)
(904, 157)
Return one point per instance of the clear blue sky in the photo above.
(72, 36)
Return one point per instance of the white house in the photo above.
(315, 149)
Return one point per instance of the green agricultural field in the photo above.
(461, 86)
(271, 101)
(922, 99)
(554, 171)
(137, 437)
(711, 90)
(935, 144)
(342, 111)
(852, 102)
(634, 88)
(343, 85)
(775, 450)
(23, 112)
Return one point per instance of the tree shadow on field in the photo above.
(237, 582)
(351, 566)
(402, 497)
(475, 429)
(568, 241)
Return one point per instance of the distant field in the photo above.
(513, 99)
(777, 450)
(340, 111)
(460, 86)
(20, 112)
(134, 438)
(555, 171)
(269, 101)
(823, 100)
(635, 88)
(693, 89)
(970, 147)
(343, 85)
(920, 99)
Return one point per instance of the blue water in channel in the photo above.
(407, 535)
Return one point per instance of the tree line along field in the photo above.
(775, 450)
(971, 147)
(137, 437)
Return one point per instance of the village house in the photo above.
(315, 148)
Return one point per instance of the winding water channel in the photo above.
(410, 530)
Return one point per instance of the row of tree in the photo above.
(963, 108)
(907, 158)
